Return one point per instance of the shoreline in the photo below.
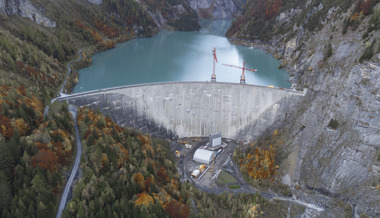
(262, 46)
(87, 52)
(91, 50)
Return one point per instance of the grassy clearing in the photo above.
(234, 186)
(227, 178)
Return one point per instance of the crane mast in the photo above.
(213, 76)
(242, 77)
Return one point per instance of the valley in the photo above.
(317, 157)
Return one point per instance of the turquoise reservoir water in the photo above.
(180, 56)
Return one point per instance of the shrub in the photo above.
(333, 124)
(374, 23)
(368, 53)
(346, 23)
(328, 51)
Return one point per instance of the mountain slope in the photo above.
(37, 39)
(332, 48)
(216, 9)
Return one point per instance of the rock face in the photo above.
(96, 2)
(176, 12)
(25, 8)
(342, 162)
(216, 9)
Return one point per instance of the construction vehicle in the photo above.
(177, 153)
(195, 173)
(202, 167)
(198, 171)
(197, 139)
(242, 77)
(183, 142)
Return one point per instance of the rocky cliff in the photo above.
(96, 2)
(220, 9)
(25, 8)
(333, 140)
(175, 15)
(167, 14)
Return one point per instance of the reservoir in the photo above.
(180, 56)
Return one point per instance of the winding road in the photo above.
(73, 111)
(69, 71)
(60, 93)
(74, 171)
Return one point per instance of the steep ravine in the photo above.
(340, 163)
(220, 9)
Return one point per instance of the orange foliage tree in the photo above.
(144, 198)
(93, 33)
(45, 159)
(139, 179)
(6, 128)
(177, 209)
(21, 126)
(260, 164)
(110, 32)
(21, 90)
(272, 8)
(148, 181)
(364, 6)
(162, 174)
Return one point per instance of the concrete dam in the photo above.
(191, 109)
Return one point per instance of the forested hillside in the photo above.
(35, 154)
(35, 55)
(127, 174)
(37, 40)
(264, 19)
(123, 171)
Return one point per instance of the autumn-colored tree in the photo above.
(21, 90)
(272, 8)
(20, 67)
(162, 174)
(177, 209)
(144, 198)
(104, 159)
(93, 33)
(21, 126)
(6, 128)
(110, 32)
(106, 44)
(148, 182)
(139, 179)
(45, 159)
(260, 164)
(364, 6)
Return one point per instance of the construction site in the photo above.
(208, 164)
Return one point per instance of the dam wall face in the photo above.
(189, 109)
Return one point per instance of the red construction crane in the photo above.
(242, 77)
(213, 76)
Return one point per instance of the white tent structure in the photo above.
(204, 156)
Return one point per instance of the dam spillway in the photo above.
(191, 109)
